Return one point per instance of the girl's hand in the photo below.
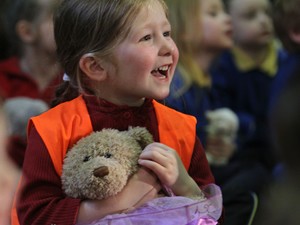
(168, 167)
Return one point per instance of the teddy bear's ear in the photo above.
(141, 135)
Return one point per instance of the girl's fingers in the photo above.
(162, 161)
(158, 160)
(157, 150)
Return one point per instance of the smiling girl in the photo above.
(119, 56)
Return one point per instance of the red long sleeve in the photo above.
(41, 200)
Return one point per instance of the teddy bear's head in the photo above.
(98, 165)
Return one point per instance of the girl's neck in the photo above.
(41, 67)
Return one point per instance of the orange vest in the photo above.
(61, 127)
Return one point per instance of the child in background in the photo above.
(242, 81)
(190, 90)
(243, 76)
(8, 174)
(119, 56)
(281, 202)
(284, 114)
(17, 124)
(32, 71)
(286, 19)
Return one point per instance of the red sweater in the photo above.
(42, 200)
(15, 83)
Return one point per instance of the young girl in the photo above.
(119, 56)
(190, 90)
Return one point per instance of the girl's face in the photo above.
(216, 23)
(44, 29)
(145, 61)
(252, 23)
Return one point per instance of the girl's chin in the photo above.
(161, 97)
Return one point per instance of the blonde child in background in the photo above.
(201, 30)
(118, 57)
(8, 174)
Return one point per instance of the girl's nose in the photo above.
(167, 47)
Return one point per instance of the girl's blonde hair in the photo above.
(185, 19)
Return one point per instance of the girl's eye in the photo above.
(167, 34)
(146, 38)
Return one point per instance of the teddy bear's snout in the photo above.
(101, 171)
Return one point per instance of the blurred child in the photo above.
(118, 56)
(8, 174)
(32, 71)
(190, 90)
(17, 124)
(242, 80)
(286, 22)
(286, 19)
(281, 202)
(243, 77)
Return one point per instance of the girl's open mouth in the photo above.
(161, 71)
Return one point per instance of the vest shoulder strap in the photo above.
(61, 127)
(177, 130)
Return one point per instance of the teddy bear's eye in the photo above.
(87, 158)
(107, 155)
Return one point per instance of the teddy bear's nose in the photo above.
(101, 171)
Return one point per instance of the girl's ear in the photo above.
(92, 67)
(25, 31)
(295, 35)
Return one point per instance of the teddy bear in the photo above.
(222, 123)
(99, 165)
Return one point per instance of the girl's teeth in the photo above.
(164, 68)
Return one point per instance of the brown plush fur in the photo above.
(98, 166)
